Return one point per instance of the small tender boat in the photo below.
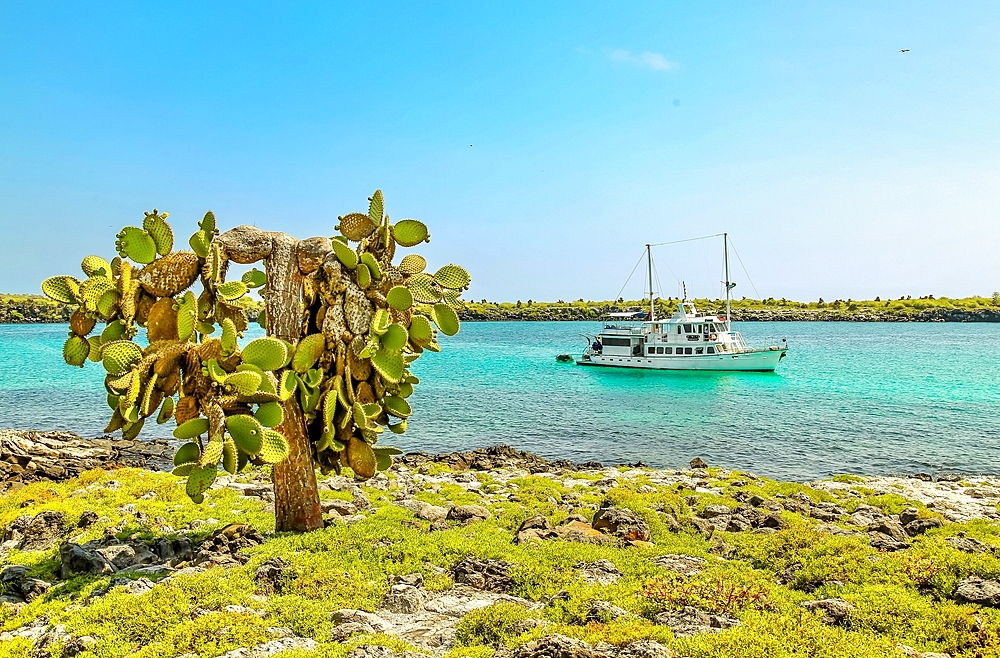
(688, 340)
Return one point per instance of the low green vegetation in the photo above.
(743, 309)
(897, 598)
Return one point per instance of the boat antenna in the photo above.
(649, 266)
(684, 287)
(729, 284)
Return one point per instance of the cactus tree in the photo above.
(344, 322)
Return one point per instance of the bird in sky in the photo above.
(905, 50)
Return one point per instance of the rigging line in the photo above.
(704, 237)
(744, 269)
(656, 275)
(630, 276)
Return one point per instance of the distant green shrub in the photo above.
(492, 625)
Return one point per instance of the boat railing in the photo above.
(736, 340)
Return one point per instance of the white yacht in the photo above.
(687, 340)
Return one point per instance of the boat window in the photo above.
(699, 350)
(687, 328)
(651, 350)
(678, 328)
(687, 350)
(711, 350)
(659, 350)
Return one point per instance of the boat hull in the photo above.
(756, 361)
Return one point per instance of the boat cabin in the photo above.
(686, 332)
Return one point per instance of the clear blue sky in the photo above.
(841, 167)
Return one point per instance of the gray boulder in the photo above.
(43, 532)
(490, 575)
(621, 523)
(77, 559)
(557, 646)
(967, 544)
(468, 513)
(834, 610)
(691, 621)
(684, 565)
(424, 511)
(601, 572)
(920, 526)
(887, 526)
(603, 612)
(977, 590)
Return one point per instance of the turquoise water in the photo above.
(850, 397)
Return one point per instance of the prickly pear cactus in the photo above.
(365, 321)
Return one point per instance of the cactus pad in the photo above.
(188, 453)
(446, 319)
(274, 448)
(376, 207)
(421, 331)
(395, 338)
(412, 264)
(345, 254)
(191, 428)
(308, 352)
(364, 276)
(423, 288)
(243, 383)
(136, 244)
(361, 458)
(399, 298)
(60, 288)
(373, 267)
(158, 229)
(120, 356)
(231, 290)
(254, 278)
(247, 433)
(166, 410)
(170, 275)
(265, 353)
(356, 226)
(397, 406)
(199, 481)
(213, 451)
(81, 324)
(162, 321)
(389, 364)
(453, 276)
(270, 414)
(410, 233)
(76, 350)
(96, 266)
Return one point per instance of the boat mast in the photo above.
(649, 266)
(725, 259)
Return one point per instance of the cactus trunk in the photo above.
(296, 498)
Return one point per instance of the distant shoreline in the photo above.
(32, 309)
(748, 315)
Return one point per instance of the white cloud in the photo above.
(647, 59)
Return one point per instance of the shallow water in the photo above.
(868, 398)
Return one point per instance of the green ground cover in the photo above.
(902, 597)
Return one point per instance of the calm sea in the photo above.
(850, 398)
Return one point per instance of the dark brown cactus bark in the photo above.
(296, 498)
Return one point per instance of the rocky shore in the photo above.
(495, 552)
(28, 456)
